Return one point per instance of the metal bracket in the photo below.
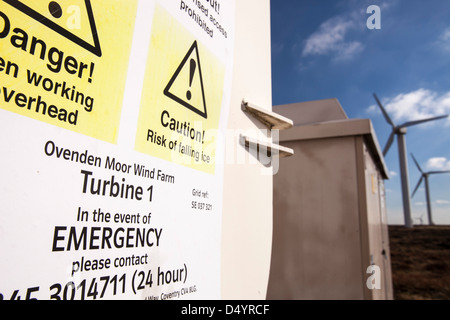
(272, 149)
(271, 119)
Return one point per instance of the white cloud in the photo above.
(336, 36)
(330, 39)
(385, 5)
(444, 40)
(438, 163)
(414, 105)
(349, 50)
(373, 109)
(392, 173)
(445, 36)
(442, 201)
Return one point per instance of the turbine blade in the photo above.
(388, 143)
(385, 114)
(412, 123)
(443, 171)
(415, 161)
(417, 186)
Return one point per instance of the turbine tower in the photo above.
(424, 177)
(400, 132)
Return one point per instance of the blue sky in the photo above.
(323, 49)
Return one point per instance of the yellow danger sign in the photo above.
(182, 97)
(64, 63)
(51, 14)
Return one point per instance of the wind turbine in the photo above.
(424, 177)
(420, 219)
(400, 132)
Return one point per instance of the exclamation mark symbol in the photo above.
(55, 9)
(91, 72)
(192, 67)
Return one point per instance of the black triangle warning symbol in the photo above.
(186, 84)
(55, 11)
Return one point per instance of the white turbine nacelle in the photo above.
(401, 130)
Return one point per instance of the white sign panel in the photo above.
(111, 167)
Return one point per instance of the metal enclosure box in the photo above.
(329, 208)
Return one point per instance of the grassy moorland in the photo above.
(420, 259)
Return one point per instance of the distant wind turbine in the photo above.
(420, 218)
(400, 132)
(427, 188)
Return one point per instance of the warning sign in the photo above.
(100, 103)
(62, 63)
(194, 69)
(49, 14)
(182, 97)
